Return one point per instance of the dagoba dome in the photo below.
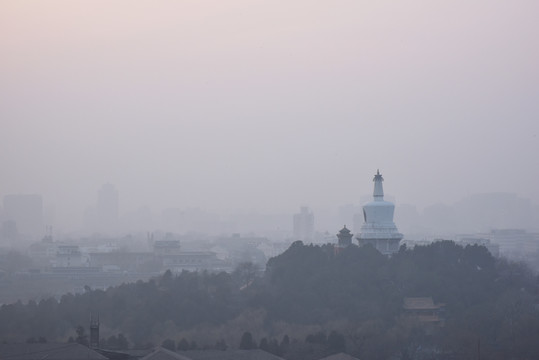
(378, 228)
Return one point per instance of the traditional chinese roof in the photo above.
(420, 303)
(255, 354)
(344, 230)
(164, 354)
(340, 356)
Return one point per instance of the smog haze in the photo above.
(266, 105)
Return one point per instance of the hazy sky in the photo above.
(267, 105)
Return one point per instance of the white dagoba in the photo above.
(379, 230)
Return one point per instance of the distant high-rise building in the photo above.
(304, 225)
(26, 211)
(357, 222)
(378, 228)
(8, 230)
(107, 211)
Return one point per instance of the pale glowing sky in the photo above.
(267, 105)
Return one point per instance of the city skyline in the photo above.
(279, 180)
(267, 106)
(477, 213)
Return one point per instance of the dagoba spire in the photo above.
(378, 187)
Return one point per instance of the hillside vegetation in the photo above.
(312, 301)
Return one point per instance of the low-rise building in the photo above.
(424, 310)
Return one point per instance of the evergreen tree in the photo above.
(264, 345)
(81, 338)
(123, 344)
(247, 342)
(273, 347)
(112, 342)
(336, 342)
(183, 345)
(284, 345)
(169, 344)
(221, 345)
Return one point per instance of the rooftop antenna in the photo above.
(94, 332)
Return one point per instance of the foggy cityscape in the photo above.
(250, 179)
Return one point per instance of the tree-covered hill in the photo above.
(309, 292)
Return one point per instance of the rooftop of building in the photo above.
(420, 303)
(340, 356)
(164, 354)
(49, 351)
(255, 354)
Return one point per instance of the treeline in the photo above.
(321, 300)
(138, 310)
(316, 345)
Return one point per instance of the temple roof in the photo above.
(420, 303)
(340, 356)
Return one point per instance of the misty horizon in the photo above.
(278, 180)
(266, 107)
(476, 213)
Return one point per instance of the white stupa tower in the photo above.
(378, 228)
